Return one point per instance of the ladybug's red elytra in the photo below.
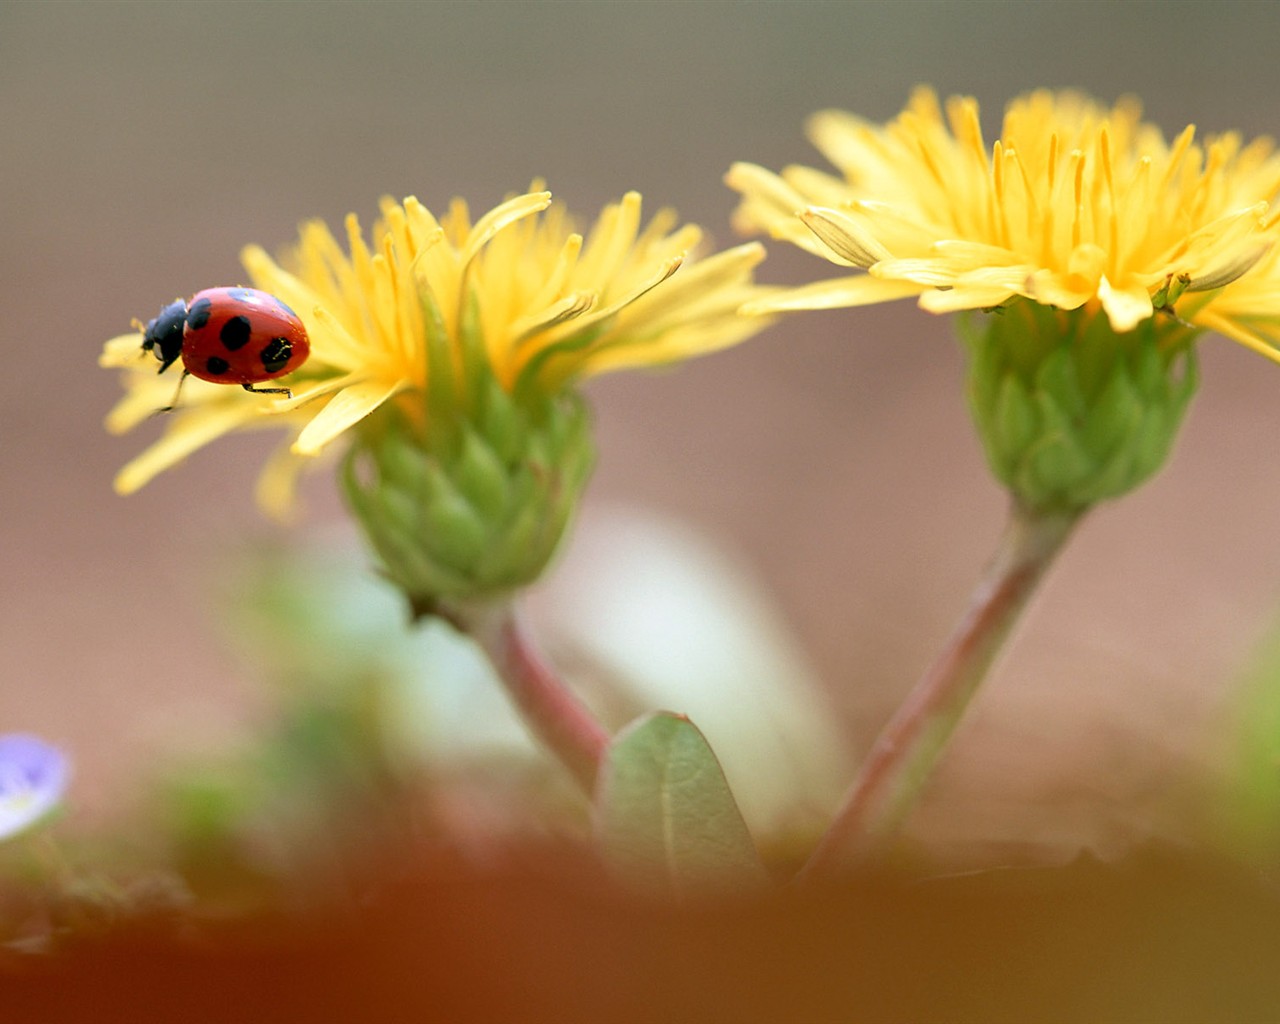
(229, 336)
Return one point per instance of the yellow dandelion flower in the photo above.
(446, 352)
(545, 306)
(1074, 206)
(1102, 249)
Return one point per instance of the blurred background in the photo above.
(141, 145)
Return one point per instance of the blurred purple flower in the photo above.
(33, 777)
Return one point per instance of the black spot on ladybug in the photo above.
(217, 366)
(235, 333)
(198, 314)
(276, 354)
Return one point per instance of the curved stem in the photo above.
(550, 710)
(907, 749)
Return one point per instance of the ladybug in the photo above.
(229, 336)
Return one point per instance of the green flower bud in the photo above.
(1071, 412)
(472, 507)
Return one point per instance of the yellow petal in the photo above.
(845, 237)
(929, 273)
(307, 393)
(1061, 290)
(277, 488)
(776, 193)
(569, 308)
(1236, 331)
(975, 254)
(673, 345)
(610, 241)
(347, 408)
(192, 430)
(499, 217)
(1238, 264)
(706, 278)
(1125, 307)
(138, 405)
(968, 297)
(837, 293)
(125, 350)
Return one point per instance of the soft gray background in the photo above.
(142, 144)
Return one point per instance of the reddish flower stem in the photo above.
(549, 709)
(910, 745)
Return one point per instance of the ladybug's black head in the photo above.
(163, 335)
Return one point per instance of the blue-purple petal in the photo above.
(33, 778)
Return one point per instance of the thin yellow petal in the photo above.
(192, 430)
(277, 489)
(347, 408)
(499, 217)
(845, 237)
(769, 188)
(1125, 307)
(569, 308)
(1238, 332)
(837, 293)
(137, 406)
(673, 346)
(125, 350)
(610, 241)
(970, 297)
(701, 280)
(307, 393)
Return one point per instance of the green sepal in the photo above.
(451, 529)
(475, 358)
(481, 476)
(499, 421)
(1016, 417)
(440, 372)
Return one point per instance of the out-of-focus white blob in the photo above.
(454, 709)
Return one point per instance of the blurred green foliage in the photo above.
(1250, 808)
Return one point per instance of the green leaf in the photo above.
(665, 814)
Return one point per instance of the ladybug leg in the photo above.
(174, 404)
(268, 391)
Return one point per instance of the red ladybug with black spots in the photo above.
(229, 336)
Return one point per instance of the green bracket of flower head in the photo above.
(466, 497)
(1071, 413)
